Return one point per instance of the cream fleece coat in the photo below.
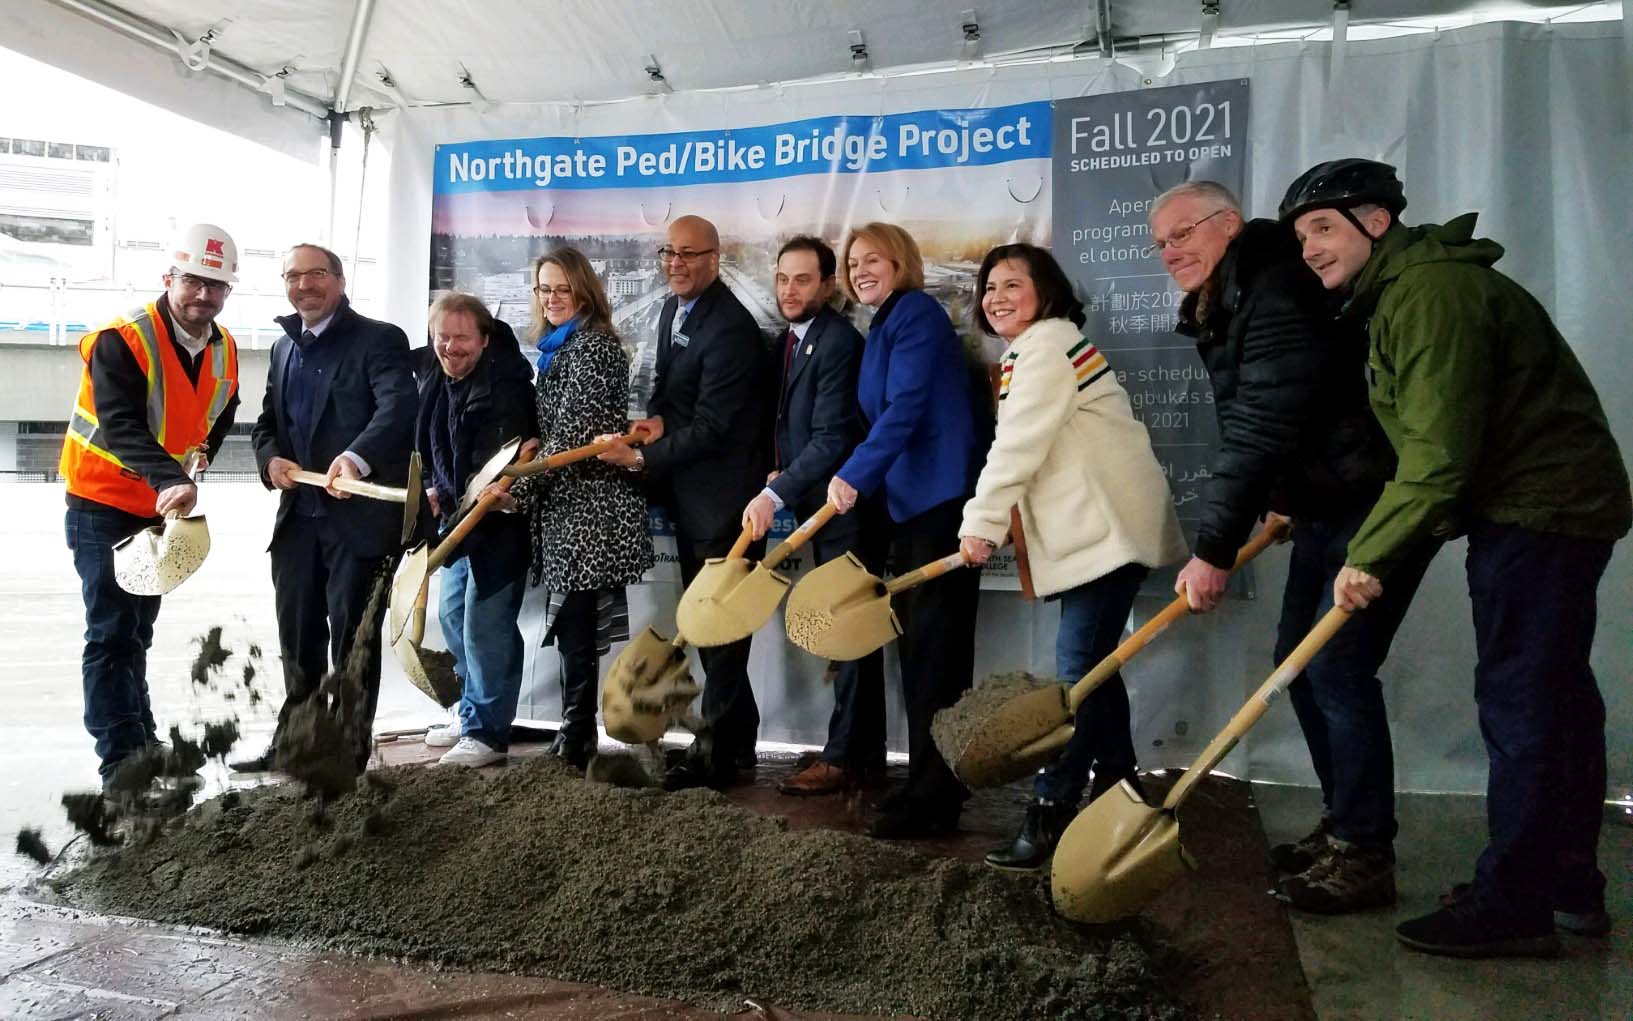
(1071, 453)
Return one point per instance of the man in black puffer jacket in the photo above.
(1297, 439)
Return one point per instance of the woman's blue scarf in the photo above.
(551, 342)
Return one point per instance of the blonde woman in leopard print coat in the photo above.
(588, 520)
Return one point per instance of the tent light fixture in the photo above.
(859, 50)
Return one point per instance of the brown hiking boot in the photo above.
(1346, 877)
(1303, 852)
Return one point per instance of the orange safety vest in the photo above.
(180, 413)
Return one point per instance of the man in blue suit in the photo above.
(816, 427)
(340, 399)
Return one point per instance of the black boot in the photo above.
(1041, 829)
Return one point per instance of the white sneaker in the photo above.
(445, 735)
(470, 752)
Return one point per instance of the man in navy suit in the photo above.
(816, 427)
(705, 464)
(339, 399)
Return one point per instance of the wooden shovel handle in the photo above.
(472, 519)
(357, 487)
(740, 547)
(934, 569)
(1256, 706)
(800, 536)
(563, 458)
(1180, 607)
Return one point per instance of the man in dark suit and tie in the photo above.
(816, 427)
(705, 464)
(340, 399)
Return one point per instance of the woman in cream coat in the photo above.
(1094, 506)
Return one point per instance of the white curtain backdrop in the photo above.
(1529, 125)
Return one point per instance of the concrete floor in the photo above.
(1358, 972)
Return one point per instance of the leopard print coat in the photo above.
(588, 520)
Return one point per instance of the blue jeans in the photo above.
(1535, 600)
(1338, 699)
(1092, 617)
(118, 633)
(481, 597)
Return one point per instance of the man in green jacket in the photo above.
(1500, 437)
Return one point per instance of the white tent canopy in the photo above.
(210, 60)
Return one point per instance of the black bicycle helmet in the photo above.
(1343, 185)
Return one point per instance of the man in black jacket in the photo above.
(705, 463)
(479, 399)
(1296, 438)
(339, 399)
(816, 427)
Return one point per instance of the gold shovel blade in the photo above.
(1013, 740)
(155, 560)
(727, 601)
(1115, 858)
(841, 612)
(650, 673)
(405, 590)
(429, 670)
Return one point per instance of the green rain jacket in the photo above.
(1488, 409)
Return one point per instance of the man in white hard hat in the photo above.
(157, 395)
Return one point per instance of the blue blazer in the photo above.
(914, 396)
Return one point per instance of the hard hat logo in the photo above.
(213, 247)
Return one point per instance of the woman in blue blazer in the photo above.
(921, 454)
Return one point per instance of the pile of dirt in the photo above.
(677, 895)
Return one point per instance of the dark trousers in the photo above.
(1535, 598)
(1092, 618)
(856, 728)
(574, 632)
(936, 649)
(320, 592)
(728, 705)
(1338, 699)
(118, 633)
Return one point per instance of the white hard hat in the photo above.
(206, 250)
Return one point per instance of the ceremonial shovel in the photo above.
(1026, 732)
(408, 496)
(841, 612)
(732, 596)
(649, 683)
(160, 557)
(1119, 853)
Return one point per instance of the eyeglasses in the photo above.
(667, 254)
(294, 276)
(544, 292)
(1179, 237)
(193, 283)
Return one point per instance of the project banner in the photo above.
(959, 180)
(1113, 155)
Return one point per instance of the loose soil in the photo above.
(953, 727)
(682, 895)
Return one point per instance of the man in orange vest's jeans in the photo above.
(158, 390)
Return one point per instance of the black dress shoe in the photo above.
(574, 751)
(691, 773)
(1040, 831)
(259, 764)
(914, 822)
(746, 760)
